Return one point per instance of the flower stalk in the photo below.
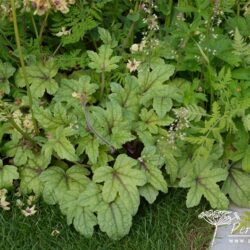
(20, 52)
(131, 28)
(34, 26)
(168, 17)
(44, 23)
(102, 83)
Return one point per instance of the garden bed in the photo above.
(104, 105)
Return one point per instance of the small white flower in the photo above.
(26, 5)
(180, 17)
(29, 211)
(200, 89)
(152, 22)
(27, 122)
(142, 45)
(132, 65)
(75, 95)
(134, 48)
(17, 114)
(215, 36)
(63, 32)
(4, 204)
(60, 5)
(3, 192)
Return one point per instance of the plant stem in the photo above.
(91, 129)
(102, 83)
(34, 26)
(168, 18)
(126, 41)
(57, 48)
(211, 87)
(131, 29)
(20, 52)
(43, 27)
(238, 8)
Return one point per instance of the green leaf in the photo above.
(106, 37)
(8, 173)
(30, 175)
(59, 143)
(162, 105)
(20, 149)
(145, 136)
(110, 126)
(40, 77)
(242, 73)
(91, 197)
(151, 121)
(148, 80)
(56, 182)
(70, 59)
(171, 165)
(239, 146)
(53, 117)
(80, 23)
(246, 160)
(150, 163)
(237, 185)
(246, 122)
(6, 71)
(169, 154)
(241, 48)
(122, 179)
(210, 125)
(149, 193)
(151, 83)
(195, 113)
(81, 86)
(133, 16)
(92, 150)
(114, 219)
(103, 62)
(90, 145)
(202, 181)
(103, 158)
(127, 97)
(80, 216)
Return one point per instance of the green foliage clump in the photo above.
(98, 116)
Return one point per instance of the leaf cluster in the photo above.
(81, 131)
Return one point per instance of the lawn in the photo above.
(167, 224)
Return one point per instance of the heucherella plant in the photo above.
(98, 111)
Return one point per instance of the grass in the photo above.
(165, 225)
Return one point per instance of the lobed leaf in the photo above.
(8, 173)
